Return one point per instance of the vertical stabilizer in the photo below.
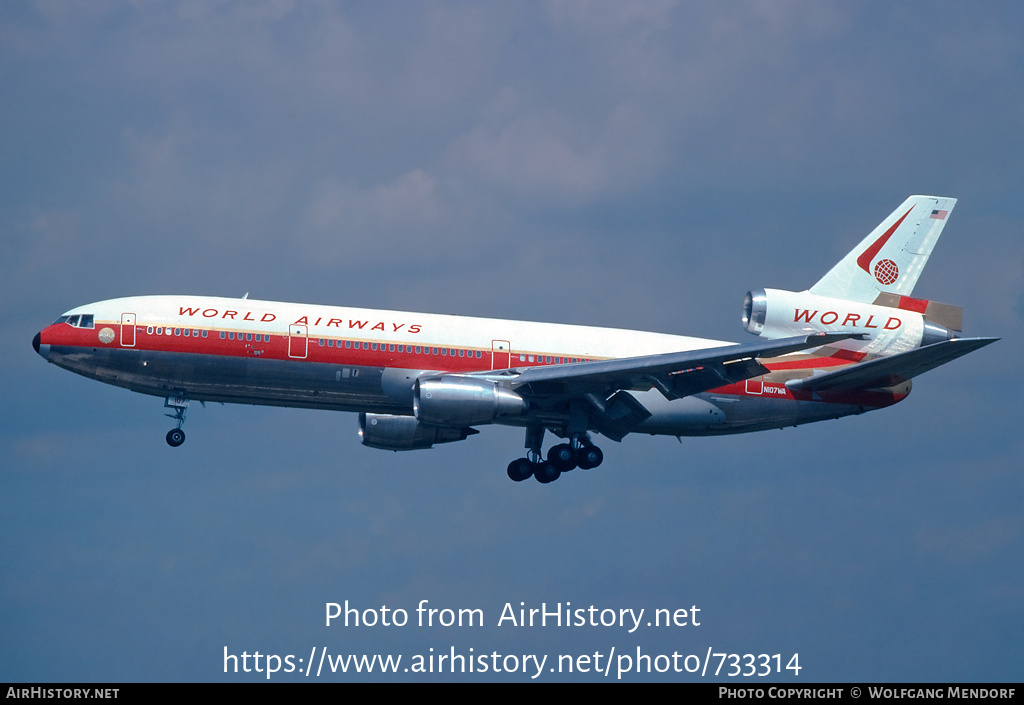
(891, 258)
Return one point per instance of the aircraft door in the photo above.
(297, 341)
(501, 358)
(127, 330)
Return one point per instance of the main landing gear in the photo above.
(178, 407)
(175, 437)
(579, 453)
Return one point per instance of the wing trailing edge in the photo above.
(675, 375)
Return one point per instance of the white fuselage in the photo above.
(350, 359)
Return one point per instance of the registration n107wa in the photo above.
(849, 344)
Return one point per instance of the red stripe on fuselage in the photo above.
(778, 390)
(277, 348)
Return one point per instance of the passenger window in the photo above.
(223, 335)
(321, 342)
(188, 333)
(149, 331)
(206, 333)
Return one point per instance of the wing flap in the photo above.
(892, 370)
(620, 414)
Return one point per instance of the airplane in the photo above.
(851, 343)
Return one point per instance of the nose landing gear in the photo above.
(175, 437)
(178, 406)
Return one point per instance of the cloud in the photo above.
(359, 227)
(550, 155)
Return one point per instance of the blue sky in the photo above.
(634, 165)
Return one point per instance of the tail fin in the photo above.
(891, 258)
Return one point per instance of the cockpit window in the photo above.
(81, 320)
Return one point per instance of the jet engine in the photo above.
(889, 325)
(455, 400)
(389, 432)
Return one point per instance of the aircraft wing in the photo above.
(892, 370)
(676, 375)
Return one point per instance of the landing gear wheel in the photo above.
(519, 469)
(562, 457)
(175, 437)
(589, 457)
(546, 472)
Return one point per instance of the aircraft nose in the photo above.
(40, 347)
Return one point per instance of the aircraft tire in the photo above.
(519, 469)
(546, 472)
(590, 457)
(175, 437)
(563, 457)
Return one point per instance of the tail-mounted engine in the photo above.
(891, 324)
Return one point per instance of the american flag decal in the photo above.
(939, 215)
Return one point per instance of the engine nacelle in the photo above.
(455, 400)
(775, 313)
(389, 432)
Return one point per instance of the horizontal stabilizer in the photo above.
(892, 370)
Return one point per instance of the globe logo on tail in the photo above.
(886, 271)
